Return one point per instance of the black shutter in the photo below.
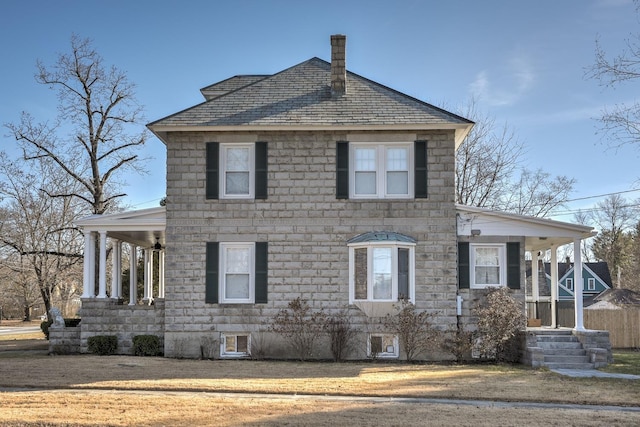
(261, 273)
(513, 265)
(213, 161)
(342, 170)
(463, 265)
(261, 170)
(211, 281)
(403, 273)
(420, 171)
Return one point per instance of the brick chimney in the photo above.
(338, 65)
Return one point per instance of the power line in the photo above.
(603, 195)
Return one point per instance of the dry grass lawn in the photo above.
(45, 390)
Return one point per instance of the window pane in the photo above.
(230, 343)
(488, 275)
(237, 260)
(397, 182)
(237, 286)
(242, 341)
(388, 344)
(488, 256)
(365, 183)
(365, 159)
(237, 183)
(237, 159)
(360, 273)
(397, 159)
(382, 273)
(376, 344)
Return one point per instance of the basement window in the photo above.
(235, 345)
(383, 346)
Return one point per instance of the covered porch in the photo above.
(144, 233)
(541, 236)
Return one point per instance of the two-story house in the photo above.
(313, 182)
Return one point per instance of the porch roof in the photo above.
(539, 233)
(145, 227)
(142, 227)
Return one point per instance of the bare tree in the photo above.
(537, 193)
(620, 123)
(98, 127)
(584, 218)
(485, 161)
(614, 217)
(38, 241)
(489, 173)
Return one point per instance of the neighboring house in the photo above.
(317, 183)
(596, 279)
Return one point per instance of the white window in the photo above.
(569, 284)
(235, 345)
(488, 265)
(381, 170)
(382, 346)
(381, 271)
(591, 284)
(237, 168)
(237, 272)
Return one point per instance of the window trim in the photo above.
(234, 354)
(502, 264)
(222, 272)
(223, 170)
(384, 354)
(591, 284)
(395, 245)
(569, 283)
(381, 170)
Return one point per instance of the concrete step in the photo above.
(557, 338)
(565, 359)
(559, 345)
(564, 351)
(561, 365)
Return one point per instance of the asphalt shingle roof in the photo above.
(301, 95)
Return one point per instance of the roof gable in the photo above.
(300, 96)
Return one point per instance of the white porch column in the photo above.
(535, 287)
(102, 268)
(133, 270)
(150, 281)
(147, 275)
(88, 282)
(554, 286)
(161, 274)
(578, 285)
(116, 269)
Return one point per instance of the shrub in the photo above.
(341, 335)
(103, 344)
(300, 326)
(44, 327)
(500, 320)
(208, 346)
(146, 345)
(460, 345)
(414, 329)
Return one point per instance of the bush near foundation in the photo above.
(103, 345)
(500, 320)
(414, 330)
(300, 325)
(146, 345)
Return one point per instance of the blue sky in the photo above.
(523, 61)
